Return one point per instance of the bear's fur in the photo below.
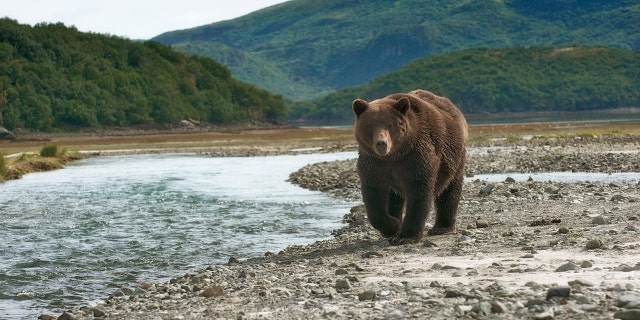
(411, 156)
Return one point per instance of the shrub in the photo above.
(3, 167)
(49, 151)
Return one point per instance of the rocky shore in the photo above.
(524, 249)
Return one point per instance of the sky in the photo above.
(133, 19)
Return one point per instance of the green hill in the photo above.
(304, 49)
(53, 77)
(505, 80)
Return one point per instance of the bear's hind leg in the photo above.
(447, 207)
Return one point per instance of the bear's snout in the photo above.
(382, 144)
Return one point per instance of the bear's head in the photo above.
(382, 125)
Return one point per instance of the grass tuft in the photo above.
(49, 151)
(3, 167)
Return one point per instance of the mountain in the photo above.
(485, 80)
(54, 77)
(305, 49)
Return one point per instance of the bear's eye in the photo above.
(400, 125)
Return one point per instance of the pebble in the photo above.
(395, 314)
(437, 266)
(482, 308)
(428, 244)
(212, 292)
(535, 302)
(558, 291)
(341, 271)
(452, 293)
(599, 220)
(371, 254)
(544, 315)
(593, 244)
(631, 314)
(498, 307)
(463, 309)
(534, 285)
(367, 295)
(343, 285)
(582, 283)
(583, 300)
(487, 189)
(569, 266)
(466, 240)
(482, 223)
(626, 268)
(628, 300)
(66, 316)
(619, 197)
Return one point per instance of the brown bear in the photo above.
(411, 155)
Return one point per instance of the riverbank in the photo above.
(523, 249)
(22, 155)
(251, 141)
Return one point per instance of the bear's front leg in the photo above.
(376, 201)
(412, 228)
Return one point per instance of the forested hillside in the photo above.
(505, 80)
(54, 77)
(304, 49)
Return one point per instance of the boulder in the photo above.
(6, 134)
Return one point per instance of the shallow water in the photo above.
(71, 237)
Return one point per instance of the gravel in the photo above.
(523, 249)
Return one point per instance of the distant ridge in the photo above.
(305, 49)
(508, 80)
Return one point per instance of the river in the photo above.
(71, 237)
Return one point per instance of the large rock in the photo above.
(6, 134)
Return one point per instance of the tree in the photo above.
(3, 103)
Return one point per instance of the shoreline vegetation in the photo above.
(49, 158)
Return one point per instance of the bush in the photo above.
(3, 167)
(49, 151)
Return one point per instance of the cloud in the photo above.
(135, 19)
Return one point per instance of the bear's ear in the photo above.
(359, 106)
(403, 105)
